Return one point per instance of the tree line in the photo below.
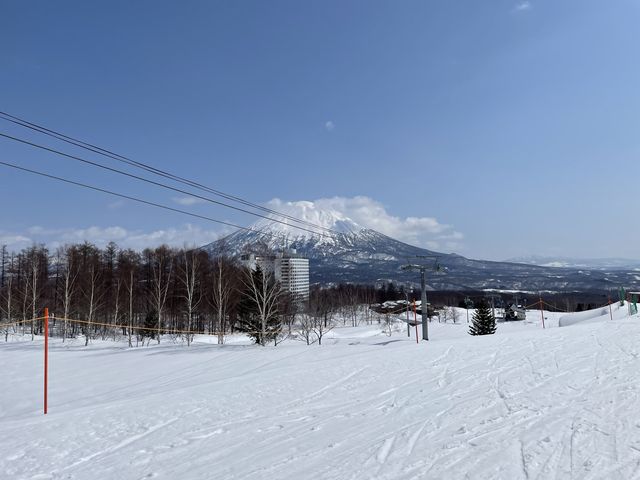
(146, 295)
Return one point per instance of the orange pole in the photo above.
(46, 356)
(415, 320)
(541, 312)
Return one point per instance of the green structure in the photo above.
(622, 295)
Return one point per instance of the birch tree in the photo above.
(36, 259)
(263, 293)
(189, 273)
(161, 265)
(128, 274)
(7, 304)
(69, 276)
(223, 286)
(94, 296)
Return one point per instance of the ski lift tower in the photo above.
(423, 286)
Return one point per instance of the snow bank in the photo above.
(596, 315)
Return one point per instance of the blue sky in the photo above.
(511, 124)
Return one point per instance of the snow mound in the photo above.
(596, 315)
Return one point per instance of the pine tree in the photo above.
(150, 324)
(483, 321)
(392, 292)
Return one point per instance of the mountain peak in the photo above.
(330, 232)
(324, 218)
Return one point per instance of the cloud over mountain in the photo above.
(424, 231)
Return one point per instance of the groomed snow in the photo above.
(524, 403)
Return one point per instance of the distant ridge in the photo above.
(590, 263)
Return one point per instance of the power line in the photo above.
(153, 182)
(149, 168)
(132, 198)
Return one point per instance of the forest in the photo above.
(163, 292)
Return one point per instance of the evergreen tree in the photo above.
(150, 324)
(392, 291)
(483, 321)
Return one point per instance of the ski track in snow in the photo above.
(525, 403)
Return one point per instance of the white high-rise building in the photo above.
(292, 271)
(289, 268)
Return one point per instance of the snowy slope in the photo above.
(524, 403)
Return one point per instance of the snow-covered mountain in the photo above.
(335, 235)
(341, 250)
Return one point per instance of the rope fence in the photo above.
(169, 330)
(120, 326)
(19, 322)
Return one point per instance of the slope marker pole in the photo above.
(408, 324)
(415, 320)
(46, 356)
(541, 311)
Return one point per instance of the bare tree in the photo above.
(35, 272)
(130, 292)
(161, 264)
(264, 291)
(3, 261)
(189, 274)
(70, 275)
(321, 327)
(449, 313)
(321, 309)
(36, 263)
(128, 265)
(388, 324)
(222, 289)
(350, 300)
(7, 302)
(116, 309)
(455, 314)
(305, 326)
(25, 295)
(93, 295)
(368, 297)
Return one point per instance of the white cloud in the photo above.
(186, 201)
(425, 231)
(523, 6)
(37, 230)
(93, 234)
(14, 241)
(329, 126)
(422, 231)
(117, 204)
(187, 234)
(191, 235)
